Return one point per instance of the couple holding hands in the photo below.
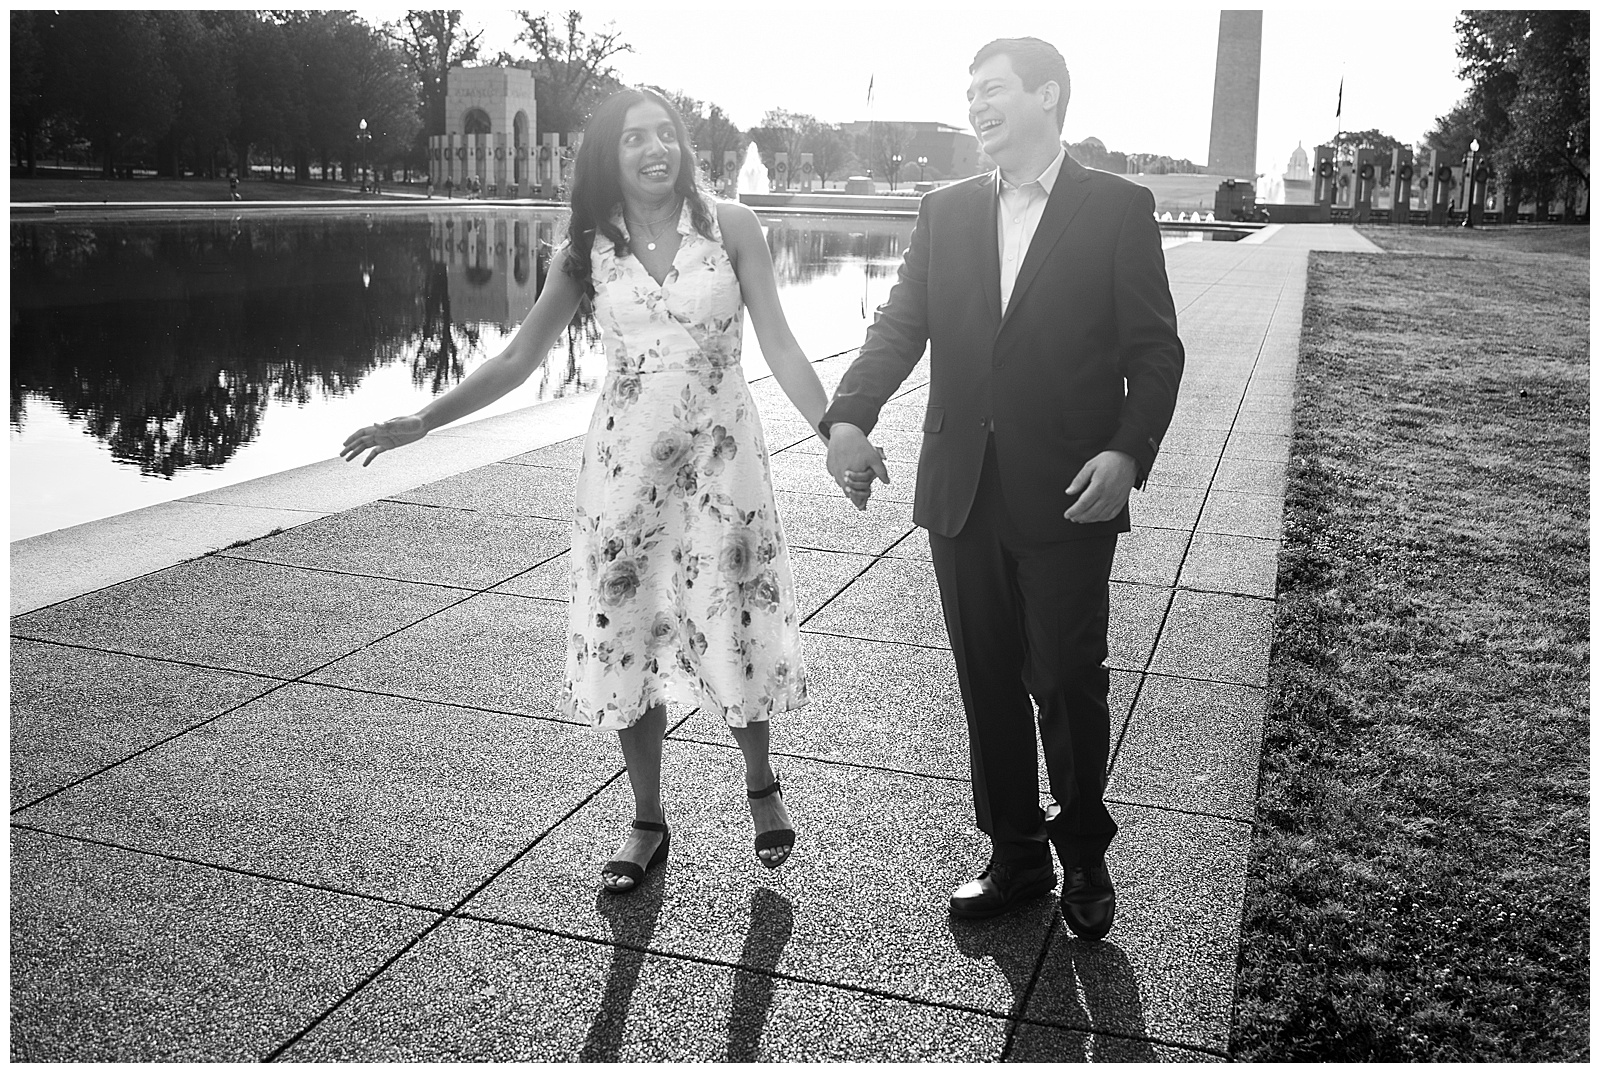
(1040, 293)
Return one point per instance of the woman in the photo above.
(681, 584)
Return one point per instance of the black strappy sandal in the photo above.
(781, 838)
(627, 869)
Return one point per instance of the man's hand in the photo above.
(853, 462)
(1105, 481)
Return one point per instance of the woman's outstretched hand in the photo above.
(384, 436)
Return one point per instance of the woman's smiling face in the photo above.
(649, 156)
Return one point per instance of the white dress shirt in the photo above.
(1020, 207)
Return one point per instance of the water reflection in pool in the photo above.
(153, 359)
(156, 360)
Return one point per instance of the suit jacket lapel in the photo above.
(1068, 196)
(985, 211)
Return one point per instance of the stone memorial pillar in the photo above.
(1441, 186)
(1400, 172)
(729, 176)
(780, 171)
(807, 172)
(1324, 177)
(1365, 182)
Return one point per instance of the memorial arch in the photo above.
(490, 117)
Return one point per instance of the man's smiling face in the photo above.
(1007, 118)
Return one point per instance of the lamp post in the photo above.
(1472, 180)
(922, 169)
(894, 169)
(364, 136)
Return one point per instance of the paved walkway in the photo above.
(304, 798)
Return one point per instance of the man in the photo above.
(1041, 290)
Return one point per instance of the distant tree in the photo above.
(271, 92)
(1529, 99)
(121, 90)
(1348, 141)
(572, 68)
(432, 42)
(199, 56)
(30, 67)
(880, 143)
(829, 149)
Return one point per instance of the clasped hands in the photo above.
(1102, 485)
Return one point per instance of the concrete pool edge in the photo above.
(64, 563)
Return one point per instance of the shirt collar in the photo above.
(1046, 179)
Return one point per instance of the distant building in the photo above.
(1297, 180)
(489, 119)
(952, 152)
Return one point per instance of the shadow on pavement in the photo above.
(1001, 941)
(632, 919)
(1105, 998)
(771, 925)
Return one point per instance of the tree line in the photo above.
(203, 92)
(1527, 105)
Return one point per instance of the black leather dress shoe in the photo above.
(1002, 887)
(1088, 900)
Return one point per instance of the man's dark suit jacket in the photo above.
(1091, 311)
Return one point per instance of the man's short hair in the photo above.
(1036, 62)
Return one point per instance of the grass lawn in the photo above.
(1419, 879)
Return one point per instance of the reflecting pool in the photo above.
(153, 359)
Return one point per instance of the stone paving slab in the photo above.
(1167, 969)
(506, 653)
(1257, 445)
(1242, 514)
(1259, 476)
(369, 795)
(76, 711)
(867, 884)
(238, 615)
(518, 490)
(1216, 637)
(1174, 469)
(1167, 507)
(831, 523)
(130, 957)
(1187, 748)
(1244, 566)
(871, 704)
(1149, 556)
(798, 471)
(480, 992)
(1048, 1043)
(405, 542)
(567, 455)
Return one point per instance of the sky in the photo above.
(1141, 78)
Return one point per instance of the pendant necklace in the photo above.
(651, 235)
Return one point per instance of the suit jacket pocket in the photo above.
(933, 420)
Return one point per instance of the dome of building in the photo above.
(1299, 164)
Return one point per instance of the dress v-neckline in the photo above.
(672, 266)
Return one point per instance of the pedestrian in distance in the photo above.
(1040, 291)
(449, 187)
(681, 583)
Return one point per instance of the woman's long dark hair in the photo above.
(597, 183)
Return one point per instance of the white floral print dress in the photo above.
(681, 587)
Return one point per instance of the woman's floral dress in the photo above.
(681, 585)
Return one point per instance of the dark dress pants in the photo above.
(1030, 617)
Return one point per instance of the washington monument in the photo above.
(1236, 101)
